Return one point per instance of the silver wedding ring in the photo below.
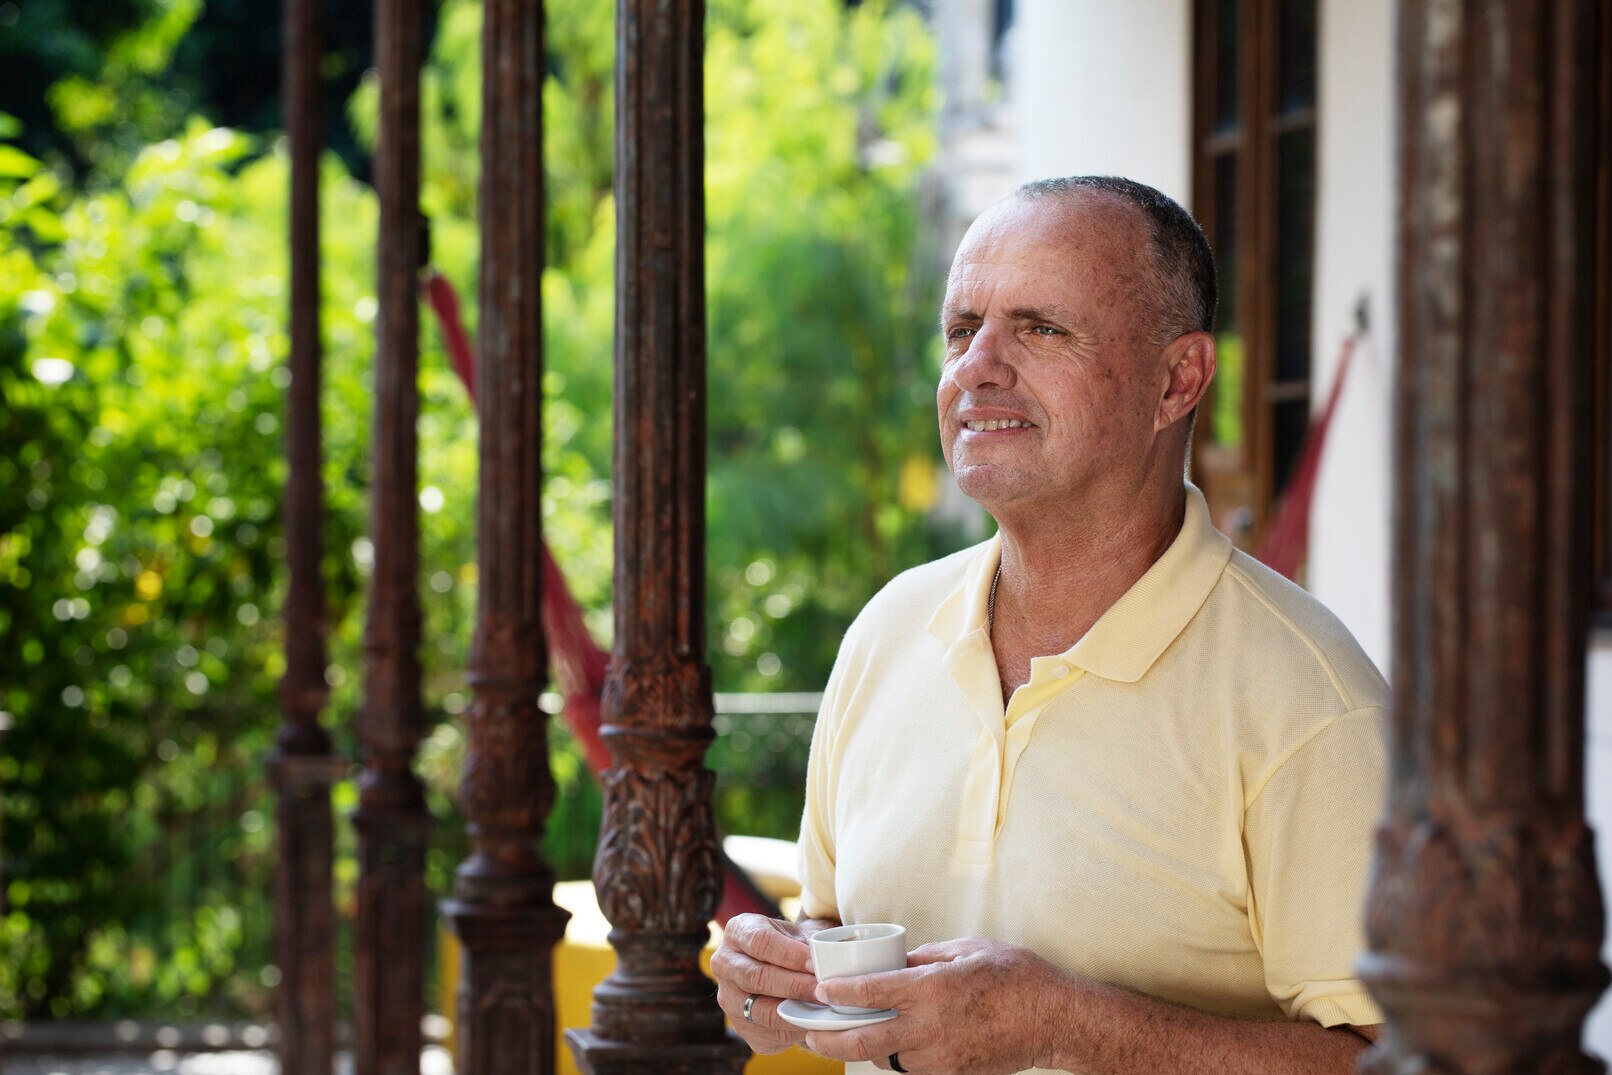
(748, 1003)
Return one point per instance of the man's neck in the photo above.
(1060, 575)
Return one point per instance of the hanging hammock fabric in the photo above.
(578, 662)
(1288, 537)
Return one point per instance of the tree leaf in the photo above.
(14, 163)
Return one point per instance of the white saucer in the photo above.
(822, 1017)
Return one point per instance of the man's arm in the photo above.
(986, 1008)
(766, 959)
(1103, 1028)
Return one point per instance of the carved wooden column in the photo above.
(302, 765)
(657, 873)
(389, 937)
(503, 908)
(1485, 919)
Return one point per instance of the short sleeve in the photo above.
(1308, 838)
(815, 848)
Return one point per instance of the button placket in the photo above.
(973, 668)
(1019, 732)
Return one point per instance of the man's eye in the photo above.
(960, 332)
(1047, 330)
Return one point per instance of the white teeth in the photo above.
(994, 424)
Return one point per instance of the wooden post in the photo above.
(503, 908)
(302, 765)
(657, 873)
(389, 935)
(1485, 917)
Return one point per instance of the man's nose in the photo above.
(987, 363)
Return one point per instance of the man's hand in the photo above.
(976, 1007)
(765, 958)
(968, 1006)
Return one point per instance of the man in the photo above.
(1133, 769)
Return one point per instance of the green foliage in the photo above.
(46, 42)
(122, 104)
(822, 305)
(142, 376)
(1226, 416)
(140, 515)
(137, 558)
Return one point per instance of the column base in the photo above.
(599, 1056)
(305, 916)
(1442, 1025)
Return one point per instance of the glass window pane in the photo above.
(1223, 237)
(1296, 81)
(1226, 396)
(1295, 252)
(1226, 399)
(1292, 420)
(1228, 64)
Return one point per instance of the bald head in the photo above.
(1177, 277)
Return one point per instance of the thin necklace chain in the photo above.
(990, 604)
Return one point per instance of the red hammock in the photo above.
(1288, 538)
(579, 664)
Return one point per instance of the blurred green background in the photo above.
(143, 187)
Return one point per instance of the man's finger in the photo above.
(766, 1042)
(753, 976)
(887, 989)
(765, 1031)
(936, 952)
(763, 1012)
(872, 1043)
(765, 939)
(838, 1045)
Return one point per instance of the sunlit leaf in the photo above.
(14, 163)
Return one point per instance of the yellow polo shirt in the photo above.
(1181, 804)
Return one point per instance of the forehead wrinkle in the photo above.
(968, 291)
(1047, 311)
(1011, 294)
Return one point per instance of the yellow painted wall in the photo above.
(582, 961)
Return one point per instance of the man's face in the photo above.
(1051, 387)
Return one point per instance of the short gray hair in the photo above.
(1182, 293)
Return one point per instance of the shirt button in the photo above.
(1061, 671)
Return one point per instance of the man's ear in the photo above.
(1189, 362)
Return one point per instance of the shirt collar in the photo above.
(1136, 630)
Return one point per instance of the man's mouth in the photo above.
(994, 424)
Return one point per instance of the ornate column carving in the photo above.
(1485, 918)
(389, 937)
(657, 872)
(503, 908)
(302, 766)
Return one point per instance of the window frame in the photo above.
(1240, 481)
(1602, 336)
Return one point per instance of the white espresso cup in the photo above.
(848, 951)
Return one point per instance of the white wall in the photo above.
(1104, 88)
(1354, 220)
